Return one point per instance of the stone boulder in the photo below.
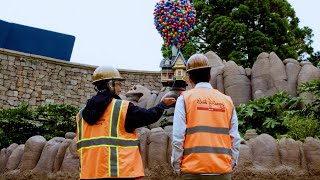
(163, 91)
(32, 152)
(245, 157)
(308, 72)
(170, 111)
(71, 159)
(216, 72)
(168, 130)
(143, 134)
(60, 154)
(151, 101)
(290, 153)
(290, 60)
(70, 135)
(265, 152)
(15, 158)
(157, 149)
(312, 153)
(236, 84)
(250, 134)
(268, 76)
(4, 156)
(248, 72)
(50, 150)
(292, 69)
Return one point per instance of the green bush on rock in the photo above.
(51, 120)
(281, 116)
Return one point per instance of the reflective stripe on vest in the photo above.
(208, 129)
(106, 141)
(207, 145)
(207, 149)
(112, 140)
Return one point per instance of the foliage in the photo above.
(315, 59)
(240, 30)
(312, 109)
(15, 125)
(264, 114)
(57, 119)
(164, 122)
(19, 124)
(300, 127)
(164, 119)
(281, 116)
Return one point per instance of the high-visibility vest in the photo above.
(207, 145)
(105, 149)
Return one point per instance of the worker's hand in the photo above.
(169, 101)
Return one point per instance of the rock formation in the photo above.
(262, 156)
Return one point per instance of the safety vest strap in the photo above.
(207, 129)
(80, 124)
(207, 149)
(115, 118)
(106, 141)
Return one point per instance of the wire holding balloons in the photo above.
(174, 19)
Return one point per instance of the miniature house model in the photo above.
(173, 72)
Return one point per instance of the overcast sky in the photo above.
(116, 33)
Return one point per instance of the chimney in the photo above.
(174, 50)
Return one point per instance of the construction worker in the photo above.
(106, 138)
(206, 140)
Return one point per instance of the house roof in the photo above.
(162, 63)
(175, 59)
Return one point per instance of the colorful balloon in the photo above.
(174, 19)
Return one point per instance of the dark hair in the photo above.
(200, 75)
(102, 85)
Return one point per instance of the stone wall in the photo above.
(37, 80)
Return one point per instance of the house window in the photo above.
(179, 73)
(170, 76)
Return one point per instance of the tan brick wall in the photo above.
(37, 80)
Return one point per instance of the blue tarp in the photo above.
(35, 41)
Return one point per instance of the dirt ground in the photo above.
(159, 173)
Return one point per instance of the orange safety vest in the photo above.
(207, 146)
(105, 149)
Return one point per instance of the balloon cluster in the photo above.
(174, 19)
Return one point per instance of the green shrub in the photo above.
(16, 125)
(264, 114)
(281, 116)
(52, 120)
(56, 119)
(312, 109)
(301, 127)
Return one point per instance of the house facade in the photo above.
(173, 72)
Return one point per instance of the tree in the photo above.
(315, 59)
(240, 30)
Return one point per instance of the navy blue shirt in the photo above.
(136, 116)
